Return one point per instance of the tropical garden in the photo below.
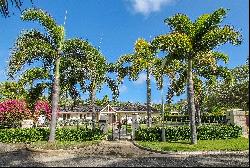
(46, 71)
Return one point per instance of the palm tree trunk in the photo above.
(55, 100)
(198, 112)
(163, 136)
(148, 98)
(92, 99)
(191, 106)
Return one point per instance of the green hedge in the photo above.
(14, 135)
(204, 132)
(204, 119)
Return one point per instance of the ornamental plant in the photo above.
(12, 112)
(190, 41)
(42, 108)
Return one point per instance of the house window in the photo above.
(64, 116)
(68, 116)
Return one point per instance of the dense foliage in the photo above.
(191, 43)
(42, 108)
(12, 112)
(5, 6)
(12, 90)
(204, 132)
(234, 94)
(42, 134)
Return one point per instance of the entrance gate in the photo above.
(110, 121)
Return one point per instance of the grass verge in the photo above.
(236, 144)
(61, 144)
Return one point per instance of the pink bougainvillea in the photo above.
(13, 111)
(42, 107)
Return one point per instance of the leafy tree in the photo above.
(234, 94)
(143, 59)
(12, 90)
(86, 66)
(33, 45)
(30, 87)
(202, 77)
(188, 40)
(4, 6)
(35, 81)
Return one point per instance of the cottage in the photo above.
(108, 113)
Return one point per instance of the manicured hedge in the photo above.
(218, 132)
(204, 119)
(204, 132)
(14, 135)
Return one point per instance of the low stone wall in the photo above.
(238, 117)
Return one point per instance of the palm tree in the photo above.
(33, 45)
(188, 39)
(143, 59)
(89, 68)
(201, 76)
(164, 67)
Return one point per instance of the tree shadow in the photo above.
(191, 161)
(18, 158)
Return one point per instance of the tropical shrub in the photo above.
(12, 112)
(208, 132)
(42, 108)
(26, 135)
(204, 132)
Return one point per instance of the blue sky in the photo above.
(114, 25)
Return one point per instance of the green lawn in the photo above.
(61, 144)
(237, 144)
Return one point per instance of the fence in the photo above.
(177, 120)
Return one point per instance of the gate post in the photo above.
(238, 117)
(135, 124)
(103, 123)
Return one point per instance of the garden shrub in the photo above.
(14, 135)
(12, 112)
(214, 131)
(80, 134)
(204, 132)
(204, 119)
(42, 108)
(26, 135)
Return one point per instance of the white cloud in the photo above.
(141, 79)
(123, 88)
(146, 7)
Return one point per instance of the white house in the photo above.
(108, 113)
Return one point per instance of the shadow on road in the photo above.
(24, 158)
(192, 161)
(18, 158)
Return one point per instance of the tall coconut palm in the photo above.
(33, 45)
(188, 39)
(201, 76)
(143, 59)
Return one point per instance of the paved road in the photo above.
(114, 155)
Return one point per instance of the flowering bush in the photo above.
(42, 108)
(12, 112)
